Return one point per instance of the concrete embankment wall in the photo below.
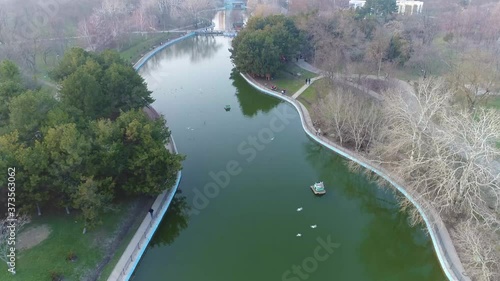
(134, 251)
(441, 240)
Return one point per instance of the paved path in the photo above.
(441, 240)
(443, 243)
(133, 253)
(303, 64)
(342, 79)
(301, 90)
(131, 256)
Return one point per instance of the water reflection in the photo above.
(225, 20)
(251, 102)
(377, 253)
(198, 48)
(383, 259)
(176, 220)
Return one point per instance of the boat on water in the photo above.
(318, 188)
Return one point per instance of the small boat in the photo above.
(227, 107)
(318, 188)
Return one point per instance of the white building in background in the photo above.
(356, 4)
(403, 5)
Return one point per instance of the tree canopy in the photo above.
(100, 85)
(10, 87)
(378, 8)
(264, 44)
(82, 147)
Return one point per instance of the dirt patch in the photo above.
(32, 236)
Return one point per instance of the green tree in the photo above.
(36, 184)
(28, 111)
(67, 151)
(10, 86)
(9, 145)
(82, 91)
(264, 44)
(91, 201)
(9, 72)
(71, 61)
(399, 50)
(124, 90)
(100, 85)
(107, 146)
(148, 168)
(377, 8)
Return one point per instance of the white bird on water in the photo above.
(299, 209)
(298, 234)
(314, 226)
(272, 138)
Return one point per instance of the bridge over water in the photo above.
(235, 4)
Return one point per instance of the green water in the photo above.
(244, 226)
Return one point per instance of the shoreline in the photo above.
(444, 248)
(133, 253)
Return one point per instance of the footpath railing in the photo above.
(140, 63)
(446, 253)
(160, 205)
(147, 228)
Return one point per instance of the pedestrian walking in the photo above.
(306, 81)
(151, 212)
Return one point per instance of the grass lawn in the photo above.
(316, 91)
(50, 256)
(112, 263)
(37, 263)
(288, 79)
(493, 101)
(136, 45)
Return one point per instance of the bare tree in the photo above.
(478, 256)
(474, 77)
(353, 118)
(474, 181)
(142, 16)
(334, 37)
(378, 47)
(444, 154)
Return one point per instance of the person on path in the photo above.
(306, 81)
(151, 212)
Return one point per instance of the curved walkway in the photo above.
(132, 255)
(440, 237)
